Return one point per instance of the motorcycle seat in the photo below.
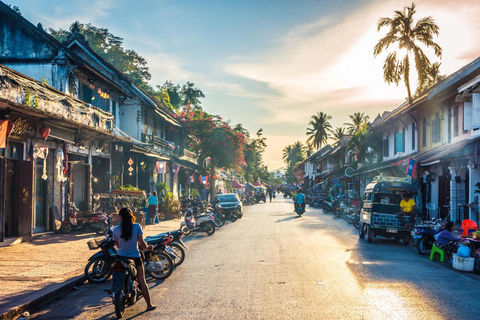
(155, 240)
(91, 215)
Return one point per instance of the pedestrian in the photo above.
(447, 241)
(204, 194)
(274, 193)
(152, 207)
(128, 236)
(270, 193)
(407, 208)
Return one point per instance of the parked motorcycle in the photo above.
(177, 245)
(98, 268)
(203, 223)
(354, 217)
(424, 235)
(327, 206)
(87, 221)
(339, 207)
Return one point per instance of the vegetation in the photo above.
(407, 35)
(320, 127)
(358, 120)
(293, 155)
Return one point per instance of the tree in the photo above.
(337, 134)
(191, 95)
(174, 93)
(309, 149)
(162, 95)
(210, 137)
(366, 144)
(318, 132)
(432, 77)
(407, 35)
(358, 119)
(293, 155)
(109, 47)
(254, 169)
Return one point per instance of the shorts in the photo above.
(138, 261)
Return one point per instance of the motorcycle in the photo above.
(98, 268)
(88, 221)
(424, 235)
(203, 223)
(159, 262)
(177, 245)
(354, 217)
(327, 206)
(124, 288)
(300, 209)
(339, 206)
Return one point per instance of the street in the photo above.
(273, 264)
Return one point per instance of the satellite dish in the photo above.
(349, 171)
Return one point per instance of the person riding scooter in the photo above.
(299, 198)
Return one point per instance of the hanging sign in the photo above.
(22, 127)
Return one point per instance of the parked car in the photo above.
(230, 202)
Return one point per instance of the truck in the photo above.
(381, 204)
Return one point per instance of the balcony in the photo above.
(46, 100)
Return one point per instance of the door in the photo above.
(2, 199)
(40, 221)
(25, 198)
(444, 195)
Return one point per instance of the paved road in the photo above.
(274, 265)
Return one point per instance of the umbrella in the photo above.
(237, 185)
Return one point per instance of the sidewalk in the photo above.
(48, 264)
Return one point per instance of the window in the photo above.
(403, 137)
(424, 132)
(455, 121)
(394, 143)
(154, 127)
(413, 136)
(399, 142)
(385, 147)
(436, 124)
(145, 119)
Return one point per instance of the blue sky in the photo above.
(270, 64)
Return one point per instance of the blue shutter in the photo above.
(399, 142)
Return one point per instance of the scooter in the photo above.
(88, 221)
(300, 209)
(327, 206)
(424, 235)
(203, 223)
(354, 217)
(124, 288)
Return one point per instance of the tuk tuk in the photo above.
(381, 204)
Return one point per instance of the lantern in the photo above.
(44, 132)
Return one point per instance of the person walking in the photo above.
(270, 193)
(152, 207)
(128, 236)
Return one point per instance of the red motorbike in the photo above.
(97, 221)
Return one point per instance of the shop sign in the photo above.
(23, 126)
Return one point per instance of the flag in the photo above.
(192, 178)
(171, 144)
(175, 169)
(411, 167)
(398, 163)
(161, 167)
(204, 179)
(3, 133)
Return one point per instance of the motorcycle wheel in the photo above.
(350, 220)
(179, 252)
(210, 228)
(66, 228)
(97, 270)
(421, 246)
(356, 223)
(119, 304)
(159, 256)
(361, 232)
(219, 220)
(187, 231)
(240, 214)
(232, 217)
(103, 230)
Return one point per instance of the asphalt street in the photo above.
(272, 264)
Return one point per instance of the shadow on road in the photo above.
(287, 218)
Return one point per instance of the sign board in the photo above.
(335, 180)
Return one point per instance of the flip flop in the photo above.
(152, 308)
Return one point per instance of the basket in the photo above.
(94, 244)
(463, 263)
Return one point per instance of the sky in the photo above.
(271, 64)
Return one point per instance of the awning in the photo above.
(461, 149)
(237, 185)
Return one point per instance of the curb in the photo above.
(41, 296)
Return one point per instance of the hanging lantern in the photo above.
(44, 132)
(99, 90)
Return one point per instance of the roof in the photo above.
(404, 107)
(446, 152)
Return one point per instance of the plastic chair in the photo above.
(468, 227)
(437, 253)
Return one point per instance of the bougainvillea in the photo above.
(211, 137)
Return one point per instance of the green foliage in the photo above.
(128, 187)
(174, 94)
(162, 95)
(15, 8)
(366, 144)
(407, 35)
(255, 169)
(161, 186)
(109, 47)
(358, 119)
(320, 127)
(293, 155)
(194, 193)
(45, 80)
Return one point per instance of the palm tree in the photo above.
(357, 120)
(309, 149)
(432, 77)
(337, 134)
(287, 151)
(406, 34)
(318, 132)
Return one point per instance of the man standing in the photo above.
(407, 208)
(204, 194)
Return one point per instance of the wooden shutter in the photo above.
(476, 110)
(467, 116)
(25, 198)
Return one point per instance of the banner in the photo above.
(192, 178)
(175, 170)
(204, 179)
(161, 167)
